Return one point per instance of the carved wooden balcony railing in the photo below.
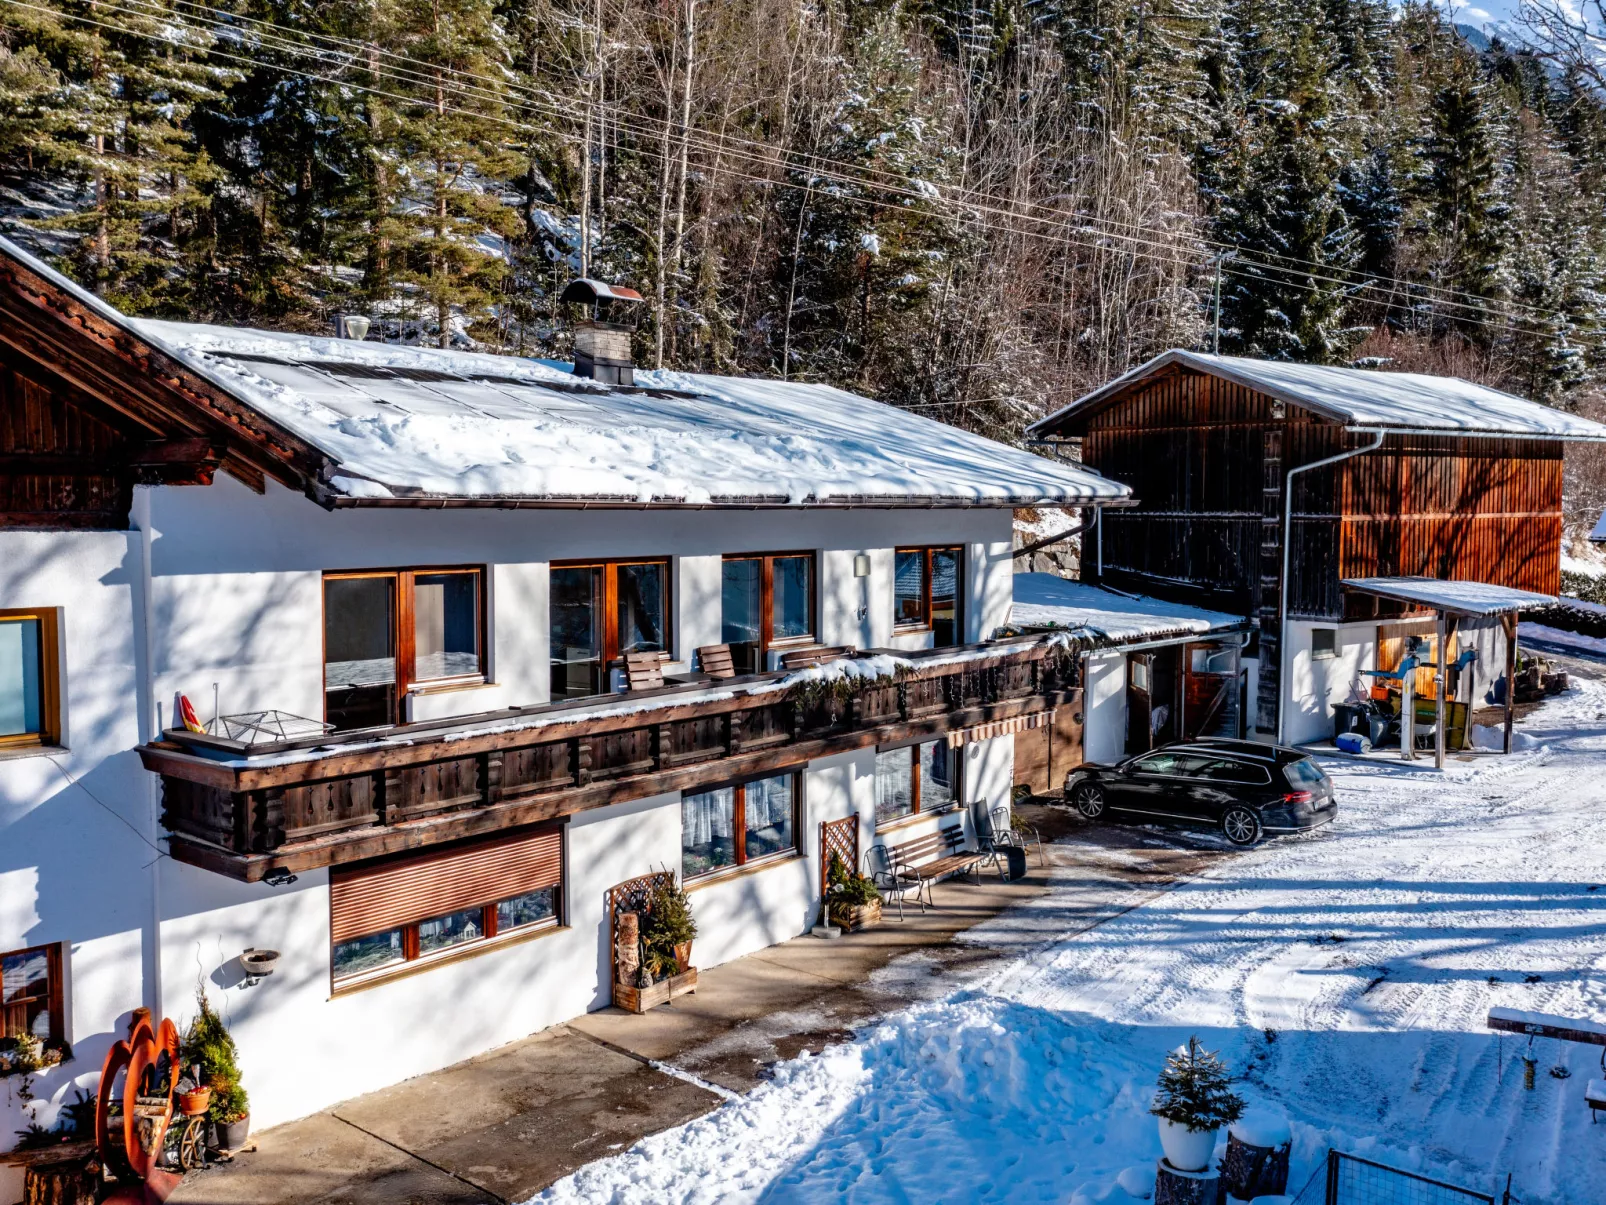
(248, 814)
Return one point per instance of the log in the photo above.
(62, 1182)
(1172, 1187)
(1249, 1171)
(627, 948)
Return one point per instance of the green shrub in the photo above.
(207, 1043)
(667, 924)
(1196, 1090)
(1582, 585)
(846, 889)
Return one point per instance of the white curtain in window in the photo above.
(769, 802)
(708, 815)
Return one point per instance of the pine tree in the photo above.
(1195, 1090)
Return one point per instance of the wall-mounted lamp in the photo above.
(861, 564)
(278, 878)
(1278, 410)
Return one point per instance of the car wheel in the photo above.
(1089, 799)
(1241, 826)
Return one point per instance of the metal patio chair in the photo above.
(988, 841)
(892, 878)
(1023, 835)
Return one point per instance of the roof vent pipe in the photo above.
(601, 342)
(351, 326)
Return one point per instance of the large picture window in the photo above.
(915, 778)
(29, 685)
(386, 915)
(386, 631)
(735, 825)
(766, 601)
(30, 993)
(600, 612)
(927, 583)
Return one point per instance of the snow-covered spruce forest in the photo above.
(976, 210)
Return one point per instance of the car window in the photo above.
(1227, 770)
(1304, 774)
(1174, 764)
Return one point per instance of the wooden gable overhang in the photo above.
(89, 409)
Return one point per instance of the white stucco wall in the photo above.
(1315, 685)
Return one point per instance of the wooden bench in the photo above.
(819, 655)
(945, 847)
(1595, 1097)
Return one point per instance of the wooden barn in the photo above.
(1261, 487)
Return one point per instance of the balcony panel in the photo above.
(298, 805)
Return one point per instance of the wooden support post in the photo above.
(1443, 635)
(1509, 623)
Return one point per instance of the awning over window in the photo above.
(982, 732)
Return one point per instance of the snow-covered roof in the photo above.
(1363, 399)
(1463, 598)
(414, 424)
(1045, 601)
(1598, 536)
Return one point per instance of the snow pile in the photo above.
(849, 669)
(1345, 976)
(1579, 642)
(1043, 600)
(1489, 736)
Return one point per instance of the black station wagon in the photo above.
(1243, 788)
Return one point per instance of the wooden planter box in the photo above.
(640, 999)
(861, 916)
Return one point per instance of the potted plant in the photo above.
(1194, 1101)
(668, 929)
(851, 900)
(207, 1045)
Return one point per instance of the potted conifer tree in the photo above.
(1194, 1101)
(207, 1045)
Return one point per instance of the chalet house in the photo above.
(444, 617)
(1262, 488)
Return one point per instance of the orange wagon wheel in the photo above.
(111, 1151)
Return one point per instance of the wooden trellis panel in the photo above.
(839, 837)
(630, 896)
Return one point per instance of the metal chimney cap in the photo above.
(351, 326)
(587, 291)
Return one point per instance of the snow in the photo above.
(407, 422)
(1363, 398)
(1491, 736)
(1043, 600)
(1262, 1127)
(1346, 976)
(1599, 534)
(1523, 1016)
(1462, 597)
(1577, 641)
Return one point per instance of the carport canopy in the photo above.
(1458, 598)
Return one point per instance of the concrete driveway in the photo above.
(503, 1126)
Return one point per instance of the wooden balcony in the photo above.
(247, 813)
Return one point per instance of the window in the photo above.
(598, 613)
(384, 632)
(1323, 643)
(735, 825)
(915, 778)
(925, 592)
(405, 910)
(1173, 764)
(1227, 770)
(30, 993)
(29, 708)
(764, 601)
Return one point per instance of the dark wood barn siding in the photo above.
(60, 465)
(1484, 509)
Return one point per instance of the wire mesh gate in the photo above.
(1351, 1180)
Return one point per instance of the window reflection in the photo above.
(576, 632)
(708, 831)
(741, 611)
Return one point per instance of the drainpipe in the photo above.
(151, 730)
(1282, 600)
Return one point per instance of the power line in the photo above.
(1162, 253)
(905, 186)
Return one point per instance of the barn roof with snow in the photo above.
(1044, 602)
(1361, 399)
(389, 425)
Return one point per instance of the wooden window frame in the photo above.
(739, 826)
(923, 624)
(414, 961)
(610, 602)
(55, 1003)
(766, 603)
(915, 792)
(49, 734)
(406, 629)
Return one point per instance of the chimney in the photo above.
(602, 348)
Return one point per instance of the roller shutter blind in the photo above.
(373, 899)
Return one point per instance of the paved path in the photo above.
(503, 1126)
